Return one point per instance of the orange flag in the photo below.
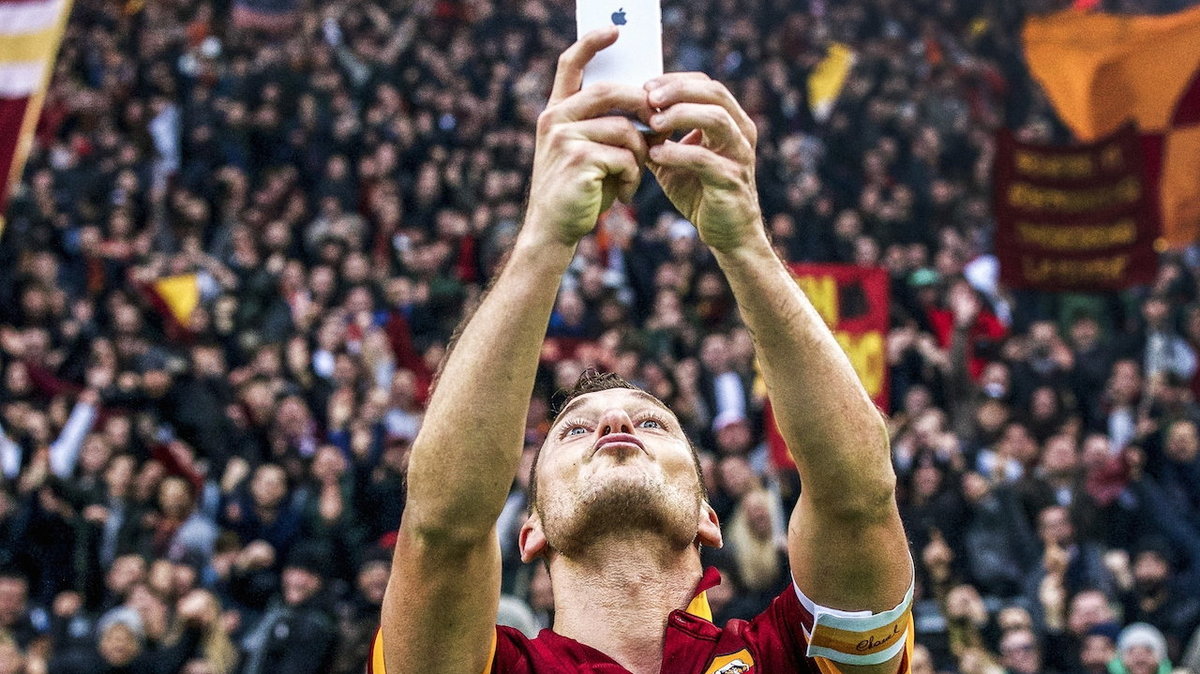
(1103, 70)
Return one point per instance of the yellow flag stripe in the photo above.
(39, 46)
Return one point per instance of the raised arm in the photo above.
(445, 582)
(846, 544)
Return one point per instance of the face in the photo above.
(13, 595)
(1058, 457)
(1097, 651)
(119, 646)
(269, 486)
(1019, 652)
(1139, 660)
(174, 497)
(922, 661)
(1088, 609)
(1150, 571)
(1183, 442)
(11, 660)
(299, 585)
(616, 463)
(1054, 526)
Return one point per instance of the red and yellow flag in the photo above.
(1103, 70)
(30, 31)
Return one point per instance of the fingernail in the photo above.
(651, 84)
(657, 120)
(657, 96)
(655, 151)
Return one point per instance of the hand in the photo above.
(256, 555)
(195, 608)
(965, 306)
(584, 159)
(709, 174)
(96, 514)
(236, 471)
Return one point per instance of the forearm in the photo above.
(64, 452)
(466, 455)
(833, 430)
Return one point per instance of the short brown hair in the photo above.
(592, 380)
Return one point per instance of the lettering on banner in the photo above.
(1031, 197)
(1044, 270)
(1036, 164)
(1051, 236)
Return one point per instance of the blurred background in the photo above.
(247, 229)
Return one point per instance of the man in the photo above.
(17, 620)
(618, 510)
(295, 635)
(1020, 652)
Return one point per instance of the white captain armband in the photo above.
(857, 637)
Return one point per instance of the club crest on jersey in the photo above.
(735, 663)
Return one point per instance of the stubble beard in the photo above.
(619, 507)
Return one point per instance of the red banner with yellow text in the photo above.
(1077, 217)
(1101, 71)
(855, 303)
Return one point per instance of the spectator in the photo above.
(1020, 653)
(295, 634)
(1141, 650)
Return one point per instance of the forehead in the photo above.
(598, 401)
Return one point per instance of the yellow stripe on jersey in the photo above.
(700, 608)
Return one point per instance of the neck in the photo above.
(617, 595)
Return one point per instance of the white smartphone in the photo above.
(637, 55)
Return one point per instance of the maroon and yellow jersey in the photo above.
(774, 642)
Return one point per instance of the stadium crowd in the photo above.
(217, 493)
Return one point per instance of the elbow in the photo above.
(446, 535)
(863, 498)
(871, 500)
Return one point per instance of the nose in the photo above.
(614, 420)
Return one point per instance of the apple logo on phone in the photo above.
(618, 17)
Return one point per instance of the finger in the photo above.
(696, 90)
(674, 77)
(719, 128)
(618, 164)
(614, 132)
(597, 100)
(569, 76)
(711, 168)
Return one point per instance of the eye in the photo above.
(652, 422)
(575, 428)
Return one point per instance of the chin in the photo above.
(622, 501)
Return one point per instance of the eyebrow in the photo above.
(580, 402)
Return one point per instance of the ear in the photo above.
(532, 540)
(708, 532)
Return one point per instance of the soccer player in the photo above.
(618, 511)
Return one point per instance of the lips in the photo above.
(624, 439)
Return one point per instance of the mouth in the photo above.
(618, 441)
